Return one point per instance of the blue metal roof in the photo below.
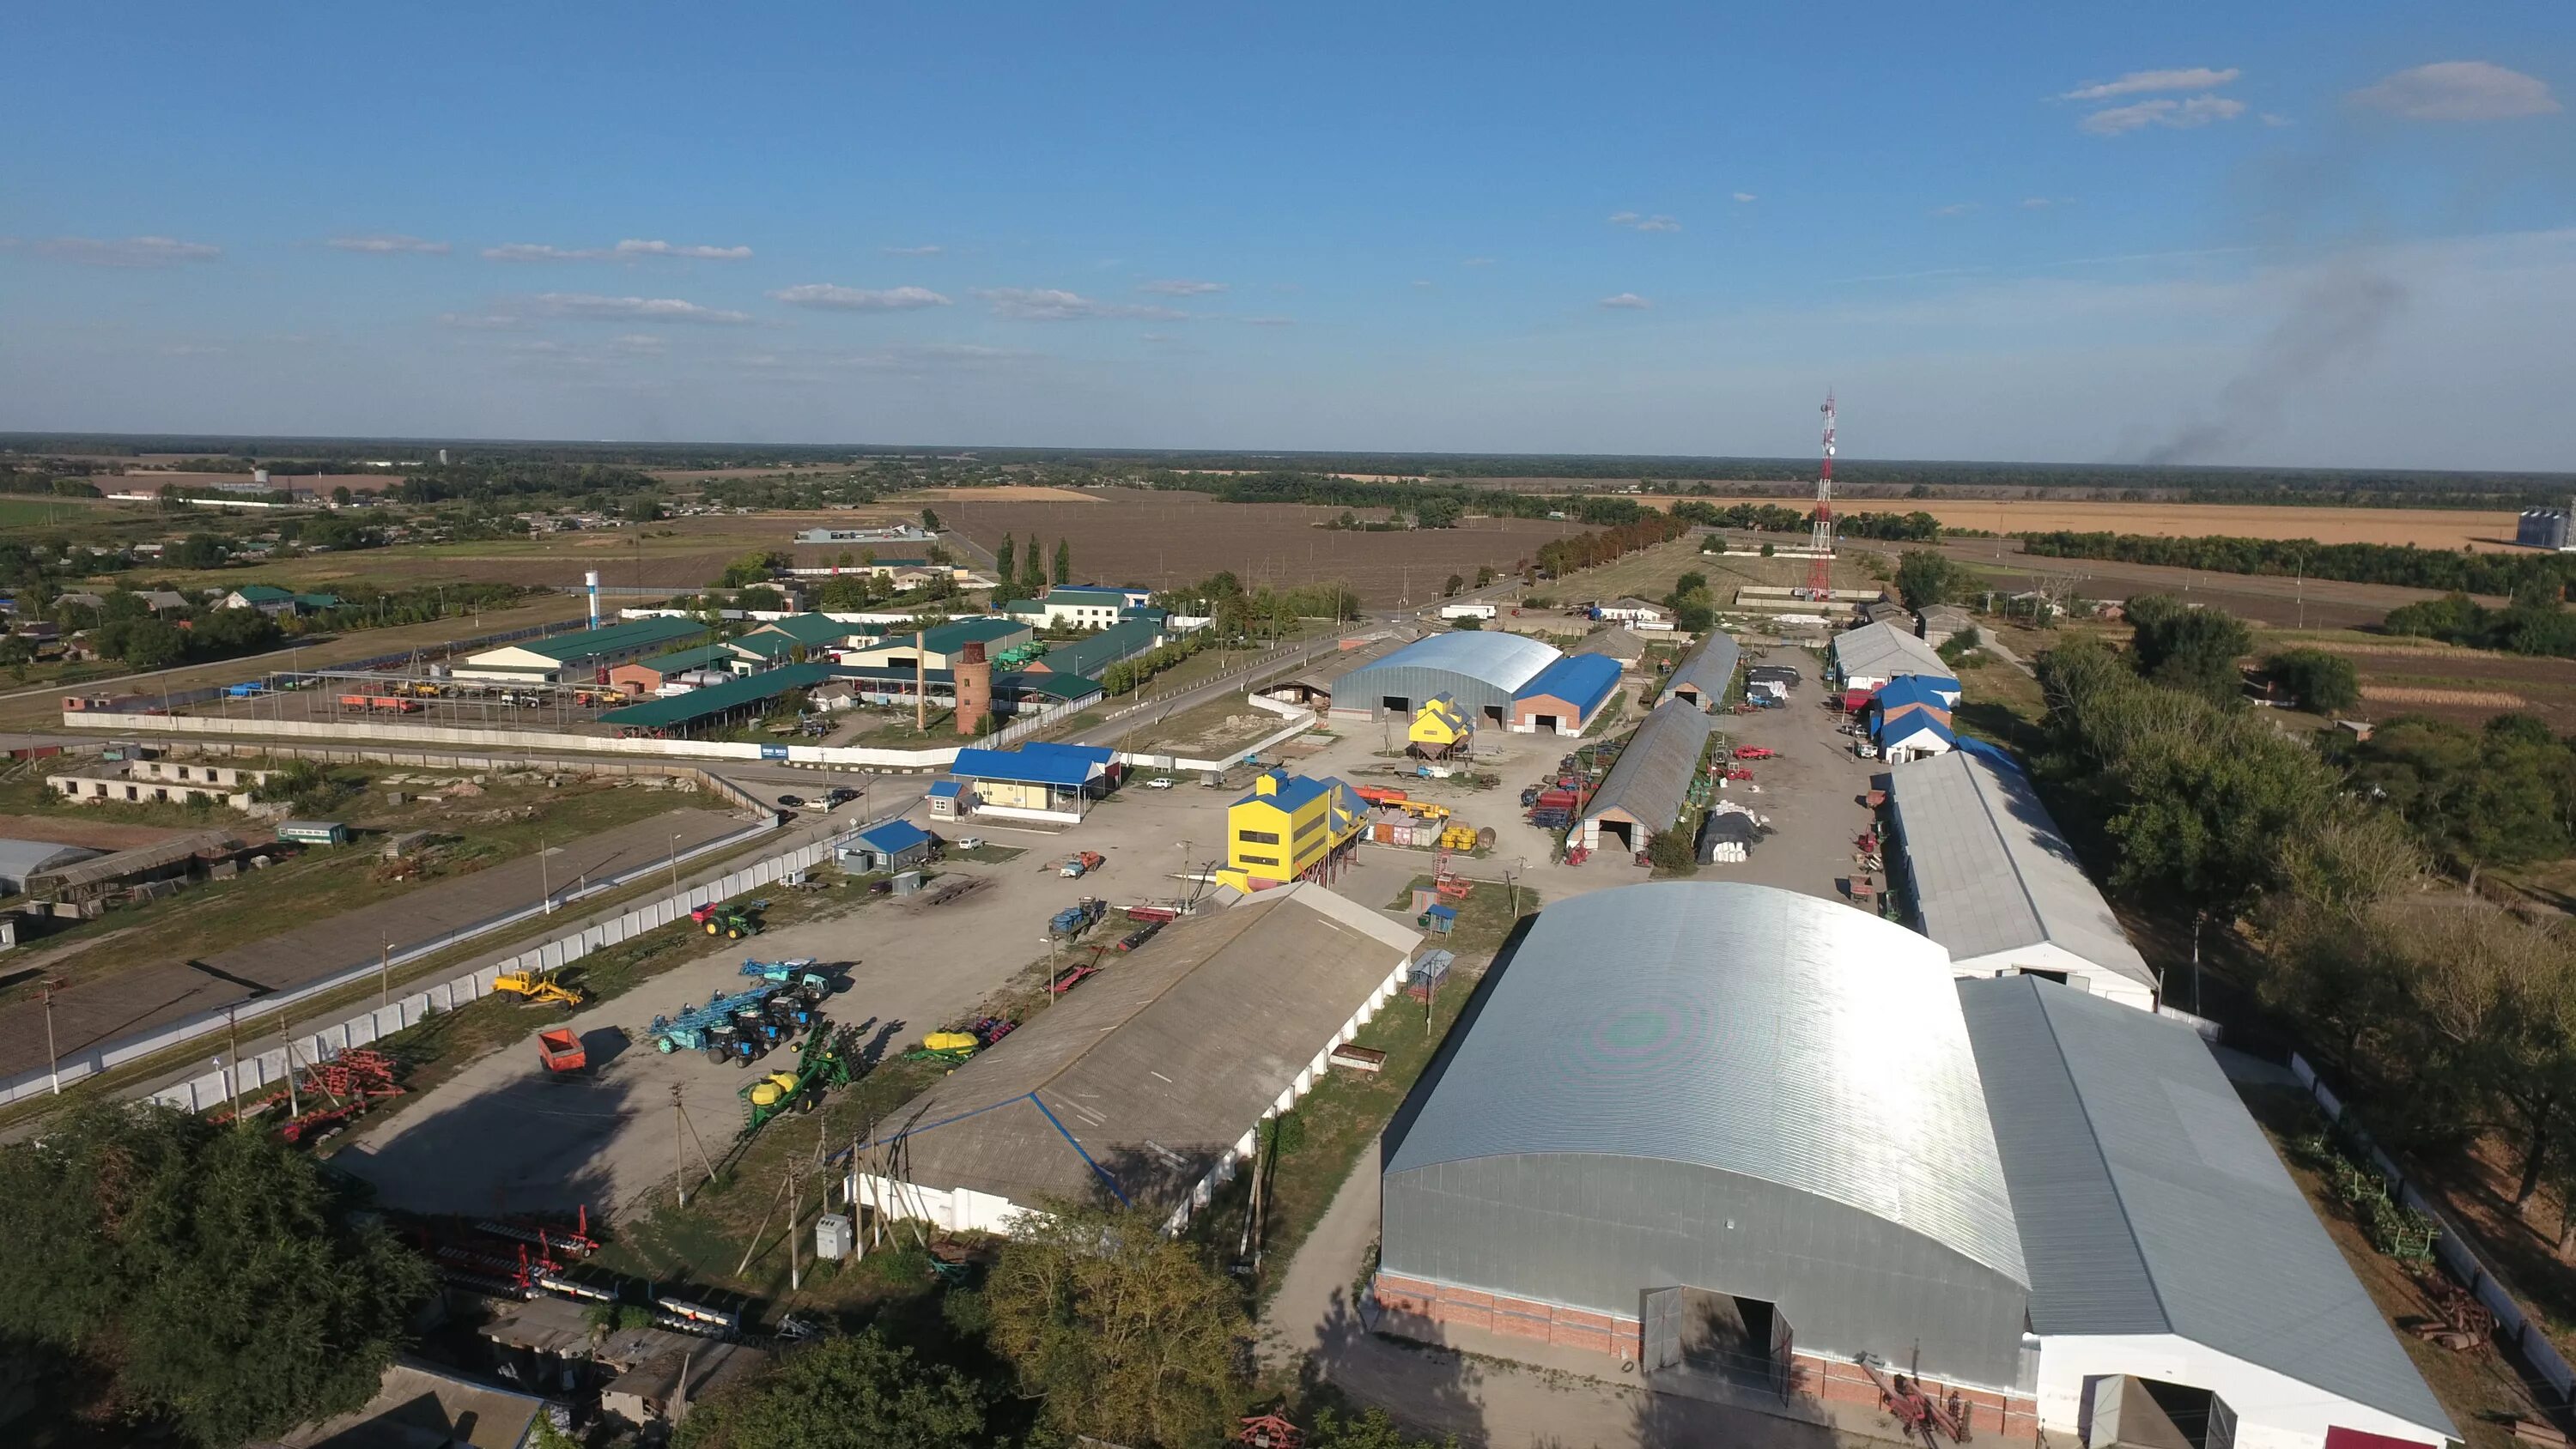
(946, 789)
(894, 837)
(1912, 689)
(1581, 680)
(1100, 755)
(1026, 767)
(1908, 726)
(1294, 791)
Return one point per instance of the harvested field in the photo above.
(1000, 493)
(1160, 539)
(2476, 698)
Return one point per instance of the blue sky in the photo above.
(2292, 233)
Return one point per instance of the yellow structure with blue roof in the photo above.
(1287, 829)
(1442, 725)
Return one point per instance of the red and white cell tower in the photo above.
(1820, 573)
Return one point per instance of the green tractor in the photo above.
(825, 1061)
(733, 922)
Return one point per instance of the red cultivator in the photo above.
(328, 1093)
(1918, 1413)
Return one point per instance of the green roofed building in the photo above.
(581, 657)
(939, 645)
(752, 694)
(1095, 652)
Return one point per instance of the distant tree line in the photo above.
(2359, 563)
(1559, 557)
(2534, 623)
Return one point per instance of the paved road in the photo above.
(97, 1011)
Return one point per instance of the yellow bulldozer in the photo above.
(539, 988)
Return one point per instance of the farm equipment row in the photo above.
(733, 922)
(743, 1026)
(322, 1097)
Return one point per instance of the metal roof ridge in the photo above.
(2093, 1135)
(2021, 878)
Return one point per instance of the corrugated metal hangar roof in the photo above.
(1651, 780)
(1738, 1028)
(1991, 871)
(2150, 1202)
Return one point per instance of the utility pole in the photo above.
(232, 1066)
(795, 1205)
(679, 1148)
(286, 1039)
(53, 1061)
(384, 976)
(545, 879)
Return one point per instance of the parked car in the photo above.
(839, 793)
(1159, 782)
(792, 802)
(969, 842)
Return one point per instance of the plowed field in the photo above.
(1157, 539)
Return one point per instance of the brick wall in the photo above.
(1618, 1338)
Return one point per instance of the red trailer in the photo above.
(561, 1050)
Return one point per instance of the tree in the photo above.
(2500, 998)
(1005, 562)
(2318, 682)
(1450, 588)
(143, 643)
(199, 551)
(2189, 648)
(1673, 852)
(1484, 575)
(751, 568)
(2476, 799)
(1126, 1334)
(220, 632)
(843, 1393)
(1925, 578)
(1032, 571)
(1064, 560)
(930, 520)
(1374, 1429)
(341, 497)
(209, 1277)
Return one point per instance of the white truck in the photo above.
(1467, 611)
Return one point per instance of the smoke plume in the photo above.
(2336, 316)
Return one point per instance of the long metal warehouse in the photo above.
(1480, 668)
(1648, 787)
(1725, 1130)
(2178, 1278)
(1993, 880)
(1144, 1086)
(1702, 676)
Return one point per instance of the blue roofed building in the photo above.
(1566, 696)
(894, 845)
(1035, 782)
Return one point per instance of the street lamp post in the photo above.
(675, 860)
(545, 878)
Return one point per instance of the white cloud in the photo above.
(2163, 111)
(1422, 284)
(589, 307)
(693, 253)
(132, 251)
(1636, 222)
(1180, 287)
(2459, 90)
(387, 244)
(1746, 196)
(2147, 82)
(1048, 304)
(858, 299)
(1956, 208)
(625, 251)
(638, 344)
(923, 251)
(2270, 119)
(1625, 302)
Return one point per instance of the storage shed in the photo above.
(1145, 1086)
(2170, 1257)
(1990, 877)
(20, 859)
(1647, 789)
(581, 657)
(1871, 655)
(1615, 642)
(1565, 697)
(1480, 668)
(1729, 1132)
(894, 845)
(1700, 680)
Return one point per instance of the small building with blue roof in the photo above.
(1566, 696)
(1913, 736)
(890, 846)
